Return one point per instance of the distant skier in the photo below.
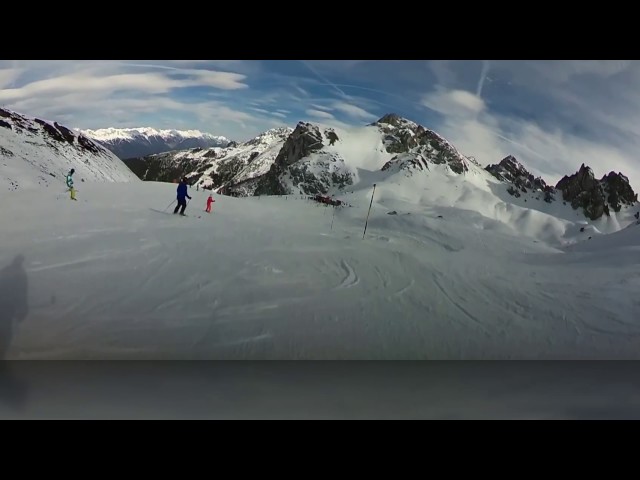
(70, 184)
(182, 197)
(197, 187)
(210, 200)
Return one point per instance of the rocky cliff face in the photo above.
(295, 169)
(520, 180)
(596, 197)
(618, 191)
(417, 146)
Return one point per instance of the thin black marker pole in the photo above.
(332, 216)
(367, 221)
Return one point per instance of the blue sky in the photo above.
(552, 115)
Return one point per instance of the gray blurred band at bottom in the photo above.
(319, 390)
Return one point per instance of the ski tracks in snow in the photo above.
(351, 278)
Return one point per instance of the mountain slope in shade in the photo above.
(39, 153)
(139, 142)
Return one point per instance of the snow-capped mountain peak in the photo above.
(143, 141)
(106, 134)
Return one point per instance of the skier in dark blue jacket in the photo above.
(182, 196)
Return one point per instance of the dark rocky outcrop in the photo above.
(512, 171)
(407, 161)
(67, 134)
(584, 191)
(332, 136)
(618, 191)
(5, 153)
(53, 132)
(305, 139)
(596, 197)
(404, 136)
(88, 144)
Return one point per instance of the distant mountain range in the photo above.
(143, 141)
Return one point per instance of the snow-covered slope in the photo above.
(286, 278)
(139, 142)
(38, 153)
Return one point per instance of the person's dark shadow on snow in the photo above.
(13, 310)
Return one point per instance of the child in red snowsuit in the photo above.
(210, 200)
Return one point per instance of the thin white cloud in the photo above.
(301, 90)
(457, 103)
(353, 111)
(8, 76)
(321, 107)
(150, 83)
(483, 76)
(319, 114)
(322, 78)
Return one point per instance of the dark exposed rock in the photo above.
(407, 161)
(513, 191)
(512, 171)
(582, 190)
(305, 139)
(597, 197)
(51, 130)
(618, 191)
(404, 136)
(332, 136)
(88, 144)
(66, 133)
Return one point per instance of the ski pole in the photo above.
(169, 206)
